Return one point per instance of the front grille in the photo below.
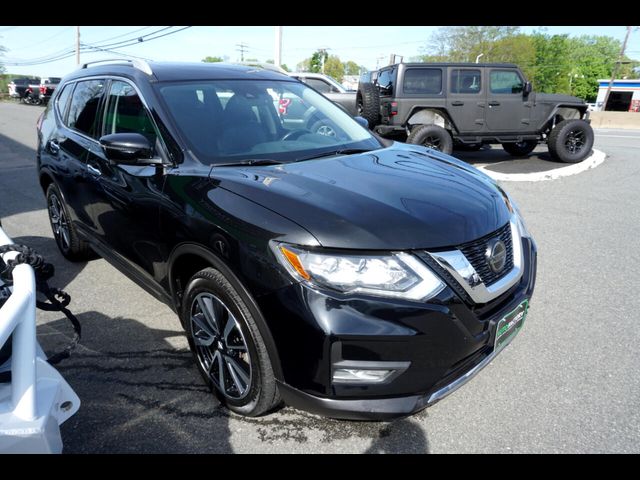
(475, 253)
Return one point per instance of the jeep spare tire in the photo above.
(368, 103)
(520, 149)
(571, 141)
(432, 136)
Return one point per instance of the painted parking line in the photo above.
(596, 158)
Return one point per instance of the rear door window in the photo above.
(85, 103)
(465, 81)
(319, 85)
(386, 82)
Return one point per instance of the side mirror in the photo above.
(128, 149)
(362, 122)
(334, 89)
(526, 90)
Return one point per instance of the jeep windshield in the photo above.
(228, 121)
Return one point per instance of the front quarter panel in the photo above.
(237, 230)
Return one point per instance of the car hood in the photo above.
(401, 197)
(557, 98)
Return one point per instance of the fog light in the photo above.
(353, 375)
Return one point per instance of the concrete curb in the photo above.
(596, 158)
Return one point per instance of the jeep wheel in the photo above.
(368, 103)
(520, 149)
(226, 342)
(571, 141)
(432, 136)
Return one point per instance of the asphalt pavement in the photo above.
(568, 383)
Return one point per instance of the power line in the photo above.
(70, 52)
(242, 47)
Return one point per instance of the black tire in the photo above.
(432, 136)
(520, 149)
(64, 232)
(571, 141)
(253, 393)
(368, 103)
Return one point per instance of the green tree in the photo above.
(317, 59)
(352, 68)
(212, 59)
(553, 67)
(334, 67)
(304, 65)
(463, 44)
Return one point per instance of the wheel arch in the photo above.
(564, 112)
(187, 259)
(421, 115)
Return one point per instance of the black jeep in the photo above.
(466, 105)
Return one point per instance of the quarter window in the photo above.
(84, 106)
(63, 99)
(425, 81)
(126, 112)
(465, 81)
(385, 82)
(505, 81)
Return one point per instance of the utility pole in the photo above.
(277, 59)
(78, 45)
(241, 48)
(323, 55)
(615, 68)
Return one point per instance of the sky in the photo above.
(367, 46)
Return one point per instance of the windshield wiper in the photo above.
(345, 151)
(250, 161)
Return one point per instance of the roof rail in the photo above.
(140, 64)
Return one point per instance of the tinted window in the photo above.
(84, 106)
(126, 113)
(319, 85)
(465, 81)
(426, 81)
(63, 99)
(386, 80)
(505, 81)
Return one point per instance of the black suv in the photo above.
(337, 273)
(466, 105)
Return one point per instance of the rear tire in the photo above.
(368, 103)
(571, 141)
(64, 232)
(520, 149)
(224, 336)
(432, 136)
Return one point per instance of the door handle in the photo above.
(457, 103)
(93, 170)
(54, 147)
(494, 104)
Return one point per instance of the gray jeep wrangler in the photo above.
(466, 105)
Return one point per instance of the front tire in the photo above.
(64, 232)
(571, 141)
(227, 345)
(520, 149)
(432, 136)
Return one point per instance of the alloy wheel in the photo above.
(221, 348)
(59, 222)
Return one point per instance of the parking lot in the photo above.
(568, 383)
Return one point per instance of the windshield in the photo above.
(225, 121)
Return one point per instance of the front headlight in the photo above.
(397, 275)
(514, 209)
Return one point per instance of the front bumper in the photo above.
(444, 344)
